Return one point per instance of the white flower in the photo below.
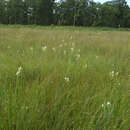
(96, 57)
(78, 56)
(61, 45)
(112, 73)
(67, 79)
(54, 49)
(117, 73)
(72, 49)
(31, 48)
(19, 71)
(108, 103)
(44, 48)
(103, 105)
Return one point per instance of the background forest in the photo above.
(115, 13)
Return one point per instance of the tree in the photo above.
(107, 15)
(121, 6)
(44, 12)
(65, 12)
(2, 11)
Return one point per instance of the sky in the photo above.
(102, 1)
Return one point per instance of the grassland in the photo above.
(64, 79)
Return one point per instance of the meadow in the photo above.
(64, 78)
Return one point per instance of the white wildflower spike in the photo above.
(108, 103)
(77, 56)
(117, 73)
(96, 57)
(72, 49)
(19, 70)
(103, 105)
(67, 79)
(112, 73)
(61, 45)
(31, 48)
(54, 49)
(44, 48)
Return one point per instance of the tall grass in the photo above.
(64, 79)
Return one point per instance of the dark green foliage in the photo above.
(115, 13)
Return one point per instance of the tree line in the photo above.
(114, 13)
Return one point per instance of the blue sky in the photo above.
(101, 1)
